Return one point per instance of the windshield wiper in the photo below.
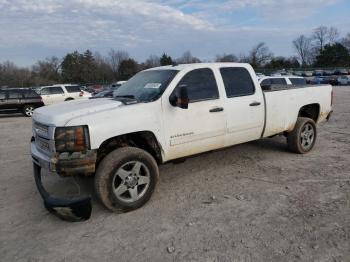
(126, 96)
(126, 99)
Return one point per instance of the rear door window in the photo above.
(53, 90)
(15, 94)
(237, 81)
(30, 94)
(201, 85)
(298, 81)
(73, 89)
(2, 95)
(266, 82)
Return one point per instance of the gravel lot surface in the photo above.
(251, 202)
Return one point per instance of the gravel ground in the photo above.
(251, 202)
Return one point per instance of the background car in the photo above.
(103, 94)
(22, 100)
(343, 80)
(60, 93)
(282, 80)
(331, 80)
(318, 73)
(328, 72)
(341, 72)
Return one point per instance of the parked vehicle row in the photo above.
(332, 80)
(309, 73)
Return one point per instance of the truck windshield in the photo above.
(146, 86)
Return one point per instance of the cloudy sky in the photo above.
(34, 29)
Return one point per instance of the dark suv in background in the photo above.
(19, 100)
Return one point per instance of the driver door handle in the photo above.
(216, 109)
(255, 104)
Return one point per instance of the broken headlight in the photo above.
(72, 139)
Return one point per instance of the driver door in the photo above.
(201, 127)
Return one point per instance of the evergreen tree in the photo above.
(333, 55)
(166, 60)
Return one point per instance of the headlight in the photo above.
(72, 139)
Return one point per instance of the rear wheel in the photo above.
(303, 137)
(126, 178)
(28, 110)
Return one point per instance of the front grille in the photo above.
(41, 129)
(42, 143)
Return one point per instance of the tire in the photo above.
(303, 137)
(117, 179)
(28, 110)
(69, 99)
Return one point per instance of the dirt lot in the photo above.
(252, 202)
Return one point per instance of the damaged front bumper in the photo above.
(69, 209)
(74, 209)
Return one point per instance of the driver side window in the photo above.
(201, 85)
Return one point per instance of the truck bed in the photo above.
(283, 104)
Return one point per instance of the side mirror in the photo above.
(180, 97)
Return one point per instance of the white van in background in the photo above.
(62, 92)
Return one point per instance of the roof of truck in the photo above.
(199, 65)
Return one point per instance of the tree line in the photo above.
(323, 48)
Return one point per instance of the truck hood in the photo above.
(60, 114)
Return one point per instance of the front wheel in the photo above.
(303, 137)
(28, 110)
(126, 178)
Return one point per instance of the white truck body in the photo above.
(164, 131)
(181, 132)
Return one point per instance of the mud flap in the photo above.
(73, 210)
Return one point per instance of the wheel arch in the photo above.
(145, 140)
(310, 111)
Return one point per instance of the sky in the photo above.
(35, 29)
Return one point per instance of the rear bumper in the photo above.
(73, 209)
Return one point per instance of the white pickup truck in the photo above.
(163, 114)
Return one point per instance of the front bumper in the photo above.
(74, 209)
(69, 209)
(66, 164)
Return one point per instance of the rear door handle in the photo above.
(255, 104)
(216, 109)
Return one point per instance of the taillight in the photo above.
(41, 99)
(81, 93)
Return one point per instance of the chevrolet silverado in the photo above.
(163, 114)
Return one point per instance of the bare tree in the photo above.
(226, 58)
(260, 55)
(320, 35)
(333, 35)
(47, 71)
(302, 46)
(187, 58)
(152, 61)
(345, 41)
(115, 57)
